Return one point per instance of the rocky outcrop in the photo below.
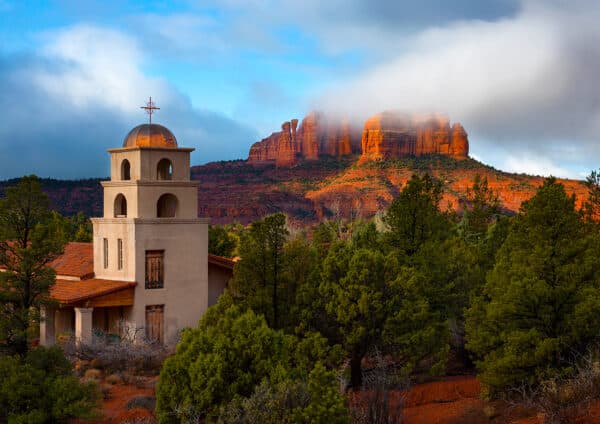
(316, 136)
(394, 134)
(385, 135)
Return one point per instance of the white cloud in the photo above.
(520, 83)
(537, 166)
(96, 67)
(84, 88)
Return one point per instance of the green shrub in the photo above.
(43, 389)
(227, 356)
(141, 401)
(317, 400)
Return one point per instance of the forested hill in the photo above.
(314, 190)
(69, 196)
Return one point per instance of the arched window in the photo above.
(125, 170)
(166, 207)
(164, 170)
(120, 206)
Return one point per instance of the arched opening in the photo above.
(164, 170)
(125, 170)
(166, 206)
(120, 206)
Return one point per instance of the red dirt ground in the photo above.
(115, 410)
(453, 400)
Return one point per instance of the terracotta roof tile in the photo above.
(221, 261)
(76, 261)
(67, 291)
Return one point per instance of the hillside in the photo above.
(313, 190)
(69, 196)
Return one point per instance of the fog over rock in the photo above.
(522, 85)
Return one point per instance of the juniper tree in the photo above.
(257, 276)
(28, 243)
(414, 217)
(541, 301)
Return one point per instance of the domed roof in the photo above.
(150, 135)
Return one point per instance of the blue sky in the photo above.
(519, 74)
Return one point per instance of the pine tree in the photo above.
(541, 301)
(257, 276)
(482, 207)
(414, 217)
(28, 243)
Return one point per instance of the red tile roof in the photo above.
(76, 261)
(221, 261)
(68, 292)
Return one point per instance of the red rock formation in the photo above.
(280, 147)
(287, 151)
(394, 134)
(345, 139)
(459, 147)
(385, 135)
(309, 139)
(316, 136)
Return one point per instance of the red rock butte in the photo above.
(384, 136)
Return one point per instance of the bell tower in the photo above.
(151, 234)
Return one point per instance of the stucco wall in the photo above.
(183, 238)
(218, 278)
(185, 292)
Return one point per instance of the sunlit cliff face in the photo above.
(385, 135)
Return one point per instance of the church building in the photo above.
(148, 271)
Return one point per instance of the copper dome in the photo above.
(150, 135)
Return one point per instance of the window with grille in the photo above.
(120, 253)
(105, 247)
(155, 269)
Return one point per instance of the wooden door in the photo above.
(155, 323)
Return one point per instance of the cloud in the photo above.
(80, 93)
(519, 74)
(521, 83)
(343, 25)
(209, 31)
(535, 166)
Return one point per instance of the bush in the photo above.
(141, 401)
(562, 398)
(227, 356)
(376, 403)
(317, 400)
(117, 356)
(42, 388)
(114, 379)
(269, 404)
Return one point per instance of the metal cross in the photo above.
(150, 108)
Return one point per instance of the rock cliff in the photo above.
(394, 134)
(385, 135)
(316, 136)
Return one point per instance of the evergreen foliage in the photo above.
(257, 276)
(41, 388)
(317, 400)
(28, 243)
(414, 217)
(591, 206)
(482, 207)
(518, 294)
(541, 301)
(222, 241)
(230, 352)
